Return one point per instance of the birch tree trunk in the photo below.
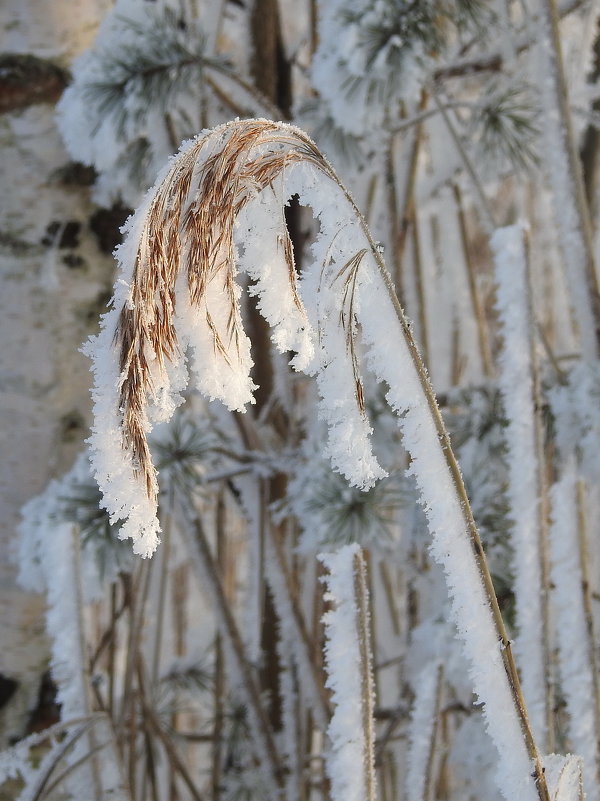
(54, 277)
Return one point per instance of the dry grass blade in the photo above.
(348, 319)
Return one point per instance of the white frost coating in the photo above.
(515, 381)
(563, 775)
(324, 299)
(260, 230)
(112, 465)
(451, 546)
(220, 376)
(327, 293)
(572, 634)
(228, 381)
(346, 767)
(563, 185)
(359, 93)
(421, 733)
(576, 405)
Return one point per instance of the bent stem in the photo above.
(197, 223)
(477, 550)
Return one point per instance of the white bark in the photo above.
(45, 313)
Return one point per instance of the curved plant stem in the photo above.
(477, 550)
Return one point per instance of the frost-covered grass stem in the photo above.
(563, 167)
(518, 381)
(363, 626)
(242, 174)
(351, 760)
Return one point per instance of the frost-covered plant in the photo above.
(331, 512)
(178, 291)
(129, 104)
(375, 56)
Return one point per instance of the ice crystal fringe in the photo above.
(179, 252)
(516, 386)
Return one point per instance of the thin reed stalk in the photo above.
(474, 293)
(401, 204)
(162, 588)
(420, 285)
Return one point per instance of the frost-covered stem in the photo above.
(112, 649)
(137, 603)
(582, 528)
(586, 589)
(201, 555)
(477, 551)
(217, 733)
(149, 766)
(577, 669)
(350, 761)
(219, 669)
(291, 614)
(564, 172)
(478, 312)
(38, 791)
(390, 596)
(486, 212)
(422, 116)
(363, 625)
(128, 718)
(518, 380)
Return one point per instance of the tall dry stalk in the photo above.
(186, 230)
